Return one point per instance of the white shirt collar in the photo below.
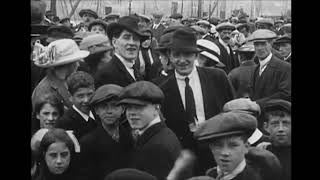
(234, 173)
(287, 57)
(180, 77)
(155, 121)
(266, 60)
(85, 117)
(124, 62)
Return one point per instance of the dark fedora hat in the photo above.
(129, 23)
(184, 40)
(88, 11)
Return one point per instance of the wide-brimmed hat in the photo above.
(225, 25)
(262, 35)
(57, 53)
(97, 22)
(210, 50)
(88, 11)
(129, 23)
(184, 40)
(93, 40)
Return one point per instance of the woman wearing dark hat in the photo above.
(106, 148)
(101, 52)
(55, 150)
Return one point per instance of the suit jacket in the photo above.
(72, 120)
(216, 91)
(240, 78)
(274, 82)
(151, 70)
(229, 60)
(158, 32)
(156, 151)
(249, 173)
(100, 154)
(113, 72)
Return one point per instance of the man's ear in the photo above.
(113, 41)
(266, 127)
(247, 146)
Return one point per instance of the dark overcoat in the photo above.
(216, 91)
(156, 151)
(158, 32)
(113, 72)
(72, 120)
(100, 154)
(274, 82)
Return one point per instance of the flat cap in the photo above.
(176, 16)
(262, 35)
(244, 104)
(88, 11)
(283, 39)
(94, 39)
(141, 93)
(203, 22)
(225, 25)
(247, 47)
(268, 21)
(277, 104)
(61, 31)
(226, 124)
(106, 92)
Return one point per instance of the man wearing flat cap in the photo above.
(106, 148)
(227, 136)
(126, 38)
(272, 77)
(284, 44)
(157, 27)
(111, 18)
(277, 122)
(190, 98)
(223, 42)
(156, 147)
(87, 16)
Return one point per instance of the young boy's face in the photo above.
(82, 97)
(279, 128)
(229, 152)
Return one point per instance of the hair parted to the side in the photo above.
(56, 135)
(49, 98)
(79, 79)
(278, 113)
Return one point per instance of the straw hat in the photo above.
(57, 53)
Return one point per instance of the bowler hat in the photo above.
(129, 23)
(141, 93)
(226, 124)
(98, 22)
(59, 31)
(244, 104)
(262, 35)
(128, 173)
(184, 40)
(57, 53)
(225, 25)
(277, 104)
(88, 11)
(105, 93)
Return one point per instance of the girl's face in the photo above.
(57, 157)
(98, 29)
(48, 116)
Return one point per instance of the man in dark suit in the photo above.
(272, 77)
(284, 45)
(192, 94)
(157, 27)
(227, 56)
(156, 146)
(79, 118)
(126, 39)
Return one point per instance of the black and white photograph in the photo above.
(160, 90)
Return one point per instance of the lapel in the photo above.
(259, 82)
(204, 88)
(122, 69)
(149, 133)
(77, 117)
(173, 93)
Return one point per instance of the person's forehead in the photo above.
(274, 118)
(87, 15)
(127, 33)
(84, 90)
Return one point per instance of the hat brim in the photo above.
(81, 13)
(94, 102)
(208, 138)
(133, 101)
(66, 60)
(182, 49)
(114, 26)
(213, 58)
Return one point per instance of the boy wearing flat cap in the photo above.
(106, 148)
(227, 135)
(277, 117)
(156, 147)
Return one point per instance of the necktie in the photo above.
(190, 103)
(136, 72)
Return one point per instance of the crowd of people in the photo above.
(162, 98)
